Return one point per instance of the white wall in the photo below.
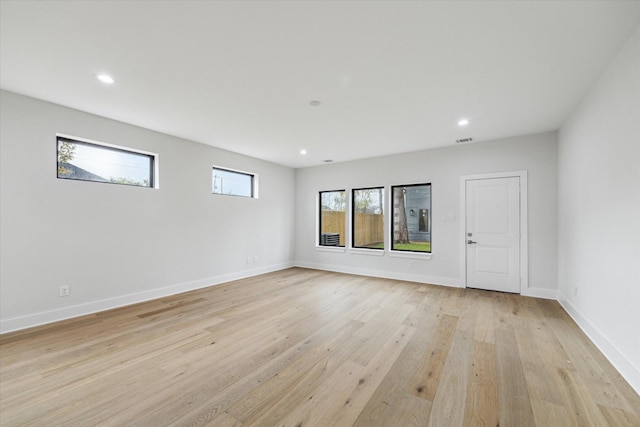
(599, 212)
(113, 244)
(442, 168)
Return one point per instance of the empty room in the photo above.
(319, 213)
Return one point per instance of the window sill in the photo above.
(412, 255)
(338, 249)
(360, 251)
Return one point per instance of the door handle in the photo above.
(471, 242)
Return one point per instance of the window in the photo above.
(368, 218)
(234, 183)
(411, 212)
(97, 162)
(332, 218)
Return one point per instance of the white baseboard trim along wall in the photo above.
(51, 316)
(385, 274)
(630, 372)
(453, 282)
(65, 313)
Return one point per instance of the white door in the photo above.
(493, 234)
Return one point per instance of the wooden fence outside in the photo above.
(370, 228)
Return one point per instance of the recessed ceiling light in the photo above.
(303, 152)
(463, 122)
(105, 78)
(314, 103)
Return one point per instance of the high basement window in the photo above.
(234, 183)
(99, 162)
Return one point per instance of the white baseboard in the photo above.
(617, 359)
(45, 317)
(540, 293)
(394, 275)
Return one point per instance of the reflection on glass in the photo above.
(92, 162)
(368, 218)
(232, 183)
(411, 228)
(332, 218)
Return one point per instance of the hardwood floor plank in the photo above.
(449, 400)
(592, 369)
(327, 359)
(619, 417)
(484, 330)
(389, 401)
(284, 371)
(481, 408)
(223, 420)
(361, 389)
(427, 377)
(550, 414)
(512, 385)
(307, 408)
(583, 410)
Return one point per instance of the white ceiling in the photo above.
(391, 76)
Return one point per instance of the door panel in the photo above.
(493, 234)
(492, 260)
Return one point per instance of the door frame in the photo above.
(524, 236)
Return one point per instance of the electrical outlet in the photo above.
(64, 291)
(248, 260)
(256, 258)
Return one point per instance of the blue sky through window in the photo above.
(232, 183)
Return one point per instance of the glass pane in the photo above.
(232, 183)
(91, 162)
(368, 218)
(411, 219)
(332, 218)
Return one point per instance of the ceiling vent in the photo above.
(460, 141)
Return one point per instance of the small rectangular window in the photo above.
(332, 218)
(411, 212)
(368, 218)
(90, 161)
(234, 183)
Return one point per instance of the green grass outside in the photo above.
(413, 246)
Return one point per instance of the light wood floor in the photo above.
(310, 348)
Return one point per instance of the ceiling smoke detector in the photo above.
(460, 141)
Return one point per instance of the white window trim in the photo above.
(335, 249)
(410, 254)
(364, 251)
